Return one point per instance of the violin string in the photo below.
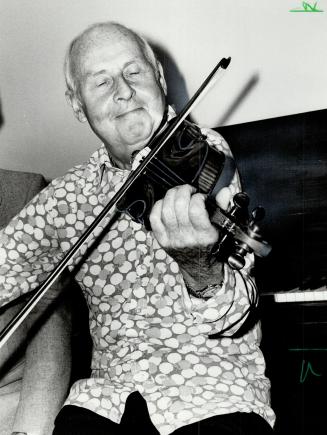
(159, 180)
(161, 177)
(165, 174)
(177, 179)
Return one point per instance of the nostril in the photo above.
(124, 90)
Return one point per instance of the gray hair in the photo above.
(91, 34)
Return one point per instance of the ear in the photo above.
(74, 101)
(162, 79)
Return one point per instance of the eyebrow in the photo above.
(95, 74)
(104, 71)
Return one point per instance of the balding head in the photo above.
(115, 83)
(95, 33)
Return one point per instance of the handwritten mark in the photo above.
(307, 7)
(305, 371)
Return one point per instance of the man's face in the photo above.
(122, 96)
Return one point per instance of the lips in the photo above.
(128, 112)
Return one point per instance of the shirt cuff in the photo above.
(206, 292)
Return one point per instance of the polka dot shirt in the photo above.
(149, 334)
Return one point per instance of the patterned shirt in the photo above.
(149, 334)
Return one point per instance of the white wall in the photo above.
(282, 54)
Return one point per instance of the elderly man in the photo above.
(155, 300)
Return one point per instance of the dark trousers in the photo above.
(74, 420)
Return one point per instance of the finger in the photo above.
(180, 196)
(168, 215)
(198, 214)
(155, 218)
(223, 198)
(182, 203)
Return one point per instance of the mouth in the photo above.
(128, 112)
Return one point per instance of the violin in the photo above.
(187, 158)
(178, 155)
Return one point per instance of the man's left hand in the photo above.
(181, 224)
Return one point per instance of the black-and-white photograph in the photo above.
(163, 217)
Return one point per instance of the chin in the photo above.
(139, 140)
(140, 132)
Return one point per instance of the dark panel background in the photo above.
(283, 163)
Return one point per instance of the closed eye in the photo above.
(132, 71)
(132, 74)
(103, 82)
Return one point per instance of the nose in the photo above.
(123, 91)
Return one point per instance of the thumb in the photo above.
(223, 198)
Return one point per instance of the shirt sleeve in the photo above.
(29, 247)
(227, 304)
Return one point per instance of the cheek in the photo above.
(156, 105)
(99, 113)
(97, 107)
(151, 93)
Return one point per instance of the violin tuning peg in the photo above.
(241, 200)
(258, 214)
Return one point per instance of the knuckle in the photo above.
(154, 219)
(170, 193)
(157, 205)
(169, 220)
(155, 214)
(186, 189)
(197, 207)
(183, 189)
(197, 216)
(180, 203)
(167, 215)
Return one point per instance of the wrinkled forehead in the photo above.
(109, 41)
